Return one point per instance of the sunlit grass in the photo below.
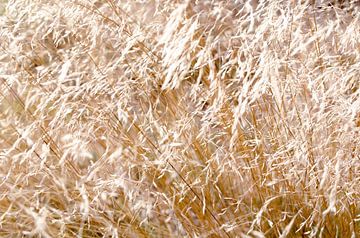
(176, 119)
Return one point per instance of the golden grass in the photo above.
(179, 119)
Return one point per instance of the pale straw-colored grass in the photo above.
(179, 119)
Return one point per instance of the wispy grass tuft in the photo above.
(180, 119)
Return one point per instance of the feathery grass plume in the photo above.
(179, 118)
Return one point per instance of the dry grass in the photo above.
(179, 119)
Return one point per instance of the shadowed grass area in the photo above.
(2, 6)
(179, 119)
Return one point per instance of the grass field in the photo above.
(166, 118)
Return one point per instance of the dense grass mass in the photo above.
(169, 118)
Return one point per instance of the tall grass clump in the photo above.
(180, 118)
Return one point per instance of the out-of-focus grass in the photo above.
(179, 119)
(2, 6)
